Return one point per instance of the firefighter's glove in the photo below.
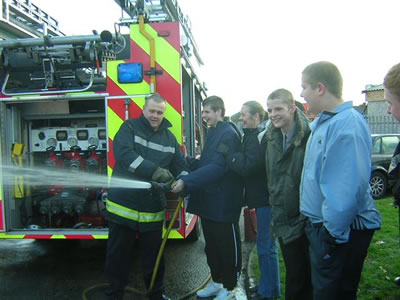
(161, 175)
(162, 187)
(223, 149)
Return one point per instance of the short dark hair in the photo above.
(254, 107)
(282, 94)
(326, 73)
(155, 97)
(392, 80)
(215, 103)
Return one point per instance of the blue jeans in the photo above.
(268, 259)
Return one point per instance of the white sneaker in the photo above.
(224, 294)
(212, 289)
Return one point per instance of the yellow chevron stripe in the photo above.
(100, 237)
(58, 236)
(109, 171)
(142, 88)
(166, 55)
(11, 236)
(114, 122)
(174, 234)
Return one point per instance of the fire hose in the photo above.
(156, 266)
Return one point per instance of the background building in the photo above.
(375, 112)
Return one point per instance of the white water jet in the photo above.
(66, 178)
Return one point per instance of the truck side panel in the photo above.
(168, 85)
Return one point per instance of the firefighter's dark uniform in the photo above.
(138, 151)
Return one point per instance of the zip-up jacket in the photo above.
(283, 175)
(138, 151)
(394, 170)
(250, 164)
(216, 192)
(335, 186)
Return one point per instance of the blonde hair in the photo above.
(254, 107)
(392, 80)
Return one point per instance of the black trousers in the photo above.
(121, 240)
(298, 269)
(336, 269)
(223, 251)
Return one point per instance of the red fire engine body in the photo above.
(62, 101)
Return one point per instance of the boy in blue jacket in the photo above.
(216, 196)
(335, 194)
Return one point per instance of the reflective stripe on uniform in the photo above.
(154, 146)
(133, 166)
(127, 213)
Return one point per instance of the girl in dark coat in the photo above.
(250, 164)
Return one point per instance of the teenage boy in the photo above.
(335, 191)
(216, 196)
(286, 140)
(391, 86)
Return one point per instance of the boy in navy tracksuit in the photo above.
(216, 196)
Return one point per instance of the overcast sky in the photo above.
(250, 48)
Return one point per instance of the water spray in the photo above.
(67, 178)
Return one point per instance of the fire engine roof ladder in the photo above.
(25, 19)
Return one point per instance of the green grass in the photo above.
(382, 264)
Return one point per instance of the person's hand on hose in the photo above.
(178, 186)
(162, 175)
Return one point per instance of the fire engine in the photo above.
(63, 98)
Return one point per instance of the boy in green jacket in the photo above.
(286, 139)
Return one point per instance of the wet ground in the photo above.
(64, 269)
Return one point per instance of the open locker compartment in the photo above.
(53, 151)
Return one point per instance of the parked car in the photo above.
(383, 146)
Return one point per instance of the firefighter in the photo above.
(144, 149)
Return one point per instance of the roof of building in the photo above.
(373, 87)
